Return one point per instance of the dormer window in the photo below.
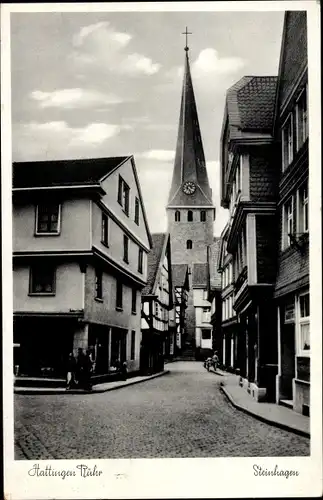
(48, 217)
(177, 216)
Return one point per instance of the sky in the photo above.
(93, 85)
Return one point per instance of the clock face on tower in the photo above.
(189, 187)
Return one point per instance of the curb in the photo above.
(285, 427)
(30, 391)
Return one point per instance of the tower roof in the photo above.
(189, 158)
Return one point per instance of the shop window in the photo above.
(119, 295)
(133, 345)
(304, 323)
(126, 249)
(177, 216)
(190, 216)
(98, 284)
(105, 230)
(301, 119)
(48, 217)
(189, 245)
(123, 195)
(42, 279)
(287, 142)
(203, 216)
(137, 207)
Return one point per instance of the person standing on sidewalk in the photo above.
(80, 365)
(88, 365)
(71, 367)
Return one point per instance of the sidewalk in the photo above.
(271, 413)
(108, 386)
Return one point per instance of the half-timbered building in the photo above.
(157, 302)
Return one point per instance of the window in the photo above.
(238, 178)
(304, 321)
(137, 211)
(134, 301)
(287, 142)
(105, 230)
(140, 260)
(206, 334)
(303, 209)
(123, 195)
(119, 295)
(288, 223)
(289, 312)
(125, 248)
(206, 315)
(203, 216)
(302, 119)
(177, 216)
(156, 309)
(133, 345)
(189, 216)
(189, 244)
(42, 279)
(48, 218)
(98, 284)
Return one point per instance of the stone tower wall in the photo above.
(201, 234)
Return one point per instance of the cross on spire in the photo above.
(186, 33)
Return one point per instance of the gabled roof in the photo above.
(63, 172)
(179, 274)
(250, 105)
(200, 275)
(160, 243)
(293, 60)
(215, 276)
(189, 162)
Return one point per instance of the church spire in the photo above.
(190, 184)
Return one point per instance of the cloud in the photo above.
(207, 66)
(101, 46)
(56, 139)
(209, 62)
(158, 154)
(73, 98)
(100, 34)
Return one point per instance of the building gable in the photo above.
(126, 172)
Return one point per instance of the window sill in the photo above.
(98, 299)
(41, 294)
(119, 308)
(105, 244)
(126, 261)
(134, 312)
(303, 354)
(47, 234)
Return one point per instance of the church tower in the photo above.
(190, 209)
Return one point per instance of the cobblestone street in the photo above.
(183, 414)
